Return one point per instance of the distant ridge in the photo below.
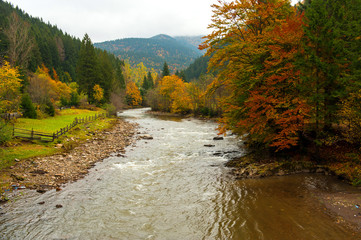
(178, 52)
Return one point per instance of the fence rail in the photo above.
(50, 137)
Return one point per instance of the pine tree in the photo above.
(330, 56)
(106, 79)
(87, 67)
(145, 85)
(28, 107)
(150, 80)
(165, 71)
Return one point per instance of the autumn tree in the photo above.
(45, 91)
(174, 95)
(9, 88)
(253, 45)
(98, 93)
(276, 111)
(133, 96)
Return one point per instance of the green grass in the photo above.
(52, 124)
(19, 149)
(8, 155)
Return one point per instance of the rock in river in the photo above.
(218, 138)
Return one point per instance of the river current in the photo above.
(174, 187)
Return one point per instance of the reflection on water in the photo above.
(173, 187)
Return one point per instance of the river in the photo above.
(174, 187)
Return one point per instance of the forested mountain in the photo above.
(191, 41)
(153, 52)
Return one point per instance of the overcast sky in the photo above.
(113, 19)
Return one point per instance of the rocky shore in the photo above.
(45, 173)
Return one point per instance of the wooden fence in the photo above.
(50, 137)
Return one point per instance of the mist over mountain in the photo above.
(179, 52)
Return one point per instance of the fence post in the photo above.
(13, 129)
(53, 136)
(32, 133)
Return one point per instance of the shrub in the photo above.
(64, 102)
(28, 107)
(5, 132)
(110, 108)
(74, 99)
(49, 108)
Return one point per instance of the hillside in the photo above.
(154, 51)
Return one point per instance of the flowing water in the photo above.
(173, 187)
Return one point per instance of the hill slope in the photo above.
(154, 51)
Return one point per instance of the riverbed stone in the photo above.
(209, 145)
(146, 137)
(218, 138)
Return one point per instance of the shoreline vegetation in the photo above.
(66, 160)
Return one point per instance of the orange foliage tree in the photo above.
(253, 46)
(43, 88)
(133, 95)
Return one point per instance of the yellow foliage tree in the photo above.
(98, 93)
(175, 97)
(133, 95)
(9, 88)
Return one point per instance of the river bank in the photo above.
(73, 161)
(343, 206)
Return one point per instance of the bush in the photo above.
(83, 101)
(5, 132)
(49, 108)
(28, 107)
(64, 102)
(74, 99)
(110, 108)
